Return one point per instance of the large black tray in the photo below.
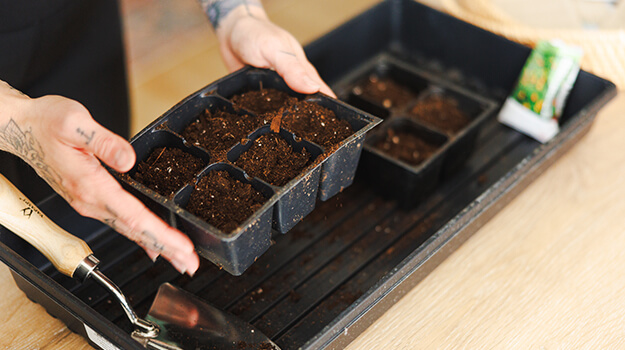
(356, 254)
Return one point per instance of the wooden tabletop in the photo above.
(547, 272)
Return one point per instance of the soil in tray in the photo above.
(273, 160)
(166, 170)
(263, 101)
(384, 92)
(223, 201)
(218, 131)
(406, 146)
(312, 122)
(441, 112)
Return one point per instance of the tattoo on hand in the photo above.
(111, 222)
(24, 144)
(88, 137)
(288, 53)
(148, 240)
(217, 10)
(145, 239)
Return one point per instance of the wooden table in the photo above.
(547, 272)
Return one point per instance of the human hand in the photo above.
(246, 36)
(59, 138)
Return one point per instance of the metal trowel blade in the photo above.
(187, 322)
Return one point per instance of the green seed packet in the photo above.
(537, 101)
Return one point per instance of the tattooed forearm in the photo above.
(24, 144)
(217, 10)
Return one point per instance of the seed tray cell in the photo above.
(398, 179)
(300, 194)
(231, 251)
(356, 254)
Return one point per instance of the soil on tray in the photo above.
(406, 146)
(312, 122)
(223, 201)
(441, 112)
(273, 160)
(263, 101)
(385, 92)
(219, 130)
(166, 170)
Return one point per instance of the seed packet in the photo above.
(537, 101)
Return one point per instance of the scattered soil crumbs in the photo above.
(441, 112)
(224, 202)
(263, 100)
(167, 170)
(273, 160)
(385, 92)
(406, 147)
(262, 346)
(219, 130)
(315, 123)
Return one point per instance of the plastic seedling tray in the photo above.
(400, 180)
(330, 170)
(354, 256)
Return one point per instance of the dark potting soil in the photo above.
(385, 92)
(406, 146)
(219, 130)
(263, 100)
(314, 123)
(441, 112)
(273, 160)
(224, 202)
(166, 170)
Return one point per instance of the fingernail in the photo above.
(310, 82)
(179, 266)
(121, 158)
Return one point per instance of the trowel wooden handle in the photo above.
(20, 215)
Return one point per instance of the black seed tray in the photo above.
(395, 178)
(286, 205)
(356, 255)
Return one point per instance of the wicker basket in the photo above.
(604, 50)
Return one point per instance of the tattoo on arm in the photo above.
(24, 144)
(217, 10)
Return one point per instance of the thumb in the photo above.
(107, 146)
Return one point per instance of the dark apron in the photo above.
(72, 48)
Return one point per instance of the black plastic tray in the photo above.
(394, 178)
(286, 205)
(356, 254)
